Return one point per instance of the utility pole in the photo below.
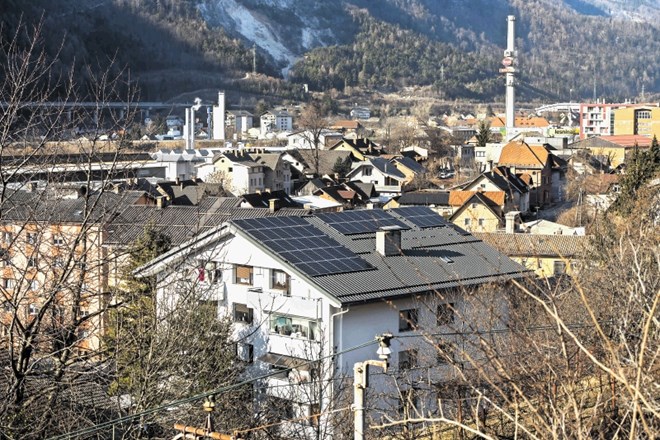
(361, 382)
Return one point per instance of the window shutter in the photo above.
(243, 272)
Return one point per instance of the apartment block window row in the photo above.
(295, 327)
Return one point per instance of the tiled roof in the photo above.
(629, 140)
(327, 159)
(600, 183)
(458, 198)
(568, 246)
(346, 124)
(522, 154)
(520, 121)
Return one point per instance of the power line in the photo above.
(95, 428)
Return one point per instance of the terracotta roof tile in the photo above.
(521, 154)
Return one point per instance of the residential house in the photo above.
(304, 162)
(477, 211)
(350, 129)
(277, 172)
(239, 120)
(601, 190)
(521, 123)
(359, 148)
(503, 179)
(274, 121)
(314, 289)
(613, 150)
(379, 171)
(273, 200)
(410, 168)
(304, 139)
(536, 163)
(238, 172)
(547, 255)
(360, 113)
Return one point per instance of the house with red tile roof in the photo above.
(534, 161)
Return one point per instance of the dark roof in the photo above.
(425, 198)
(364, 190)
(411, 164)
(504, 179)
(95, 207)
(437, 257)
(327, 159)
(181, 223)
(386, 167)
(262, 200)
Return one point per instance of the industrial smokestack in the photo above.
(509, 69)
(219, 117)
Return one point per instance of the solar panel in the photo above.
(360, 222)
(421, 216)
(303, 245)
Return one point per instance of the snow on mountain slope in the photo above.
(284, 29)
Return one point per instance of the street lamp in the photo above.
(361, 381)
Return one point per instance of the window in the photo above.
(242, 313)
(32, 262)
(480, 153)
(467, 222)
(243, 274)
(314, 413)
(279, 280)
(294, 327)
(7, 283)
(82, 334)
(58, 240)
(230, 169)
(445, 352)
(481, 222)
(58, 262)
(407, 359)
(31, 238)
(209, 272)
(407, 320)
(34, 285)
(32, 309)
(559, 267)
(245, 352)
(482, 186)
(445, 314)
(367, 171)
(7, 237)
(643, 114)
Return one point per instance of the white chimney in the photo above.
(388, 241)
(510, 218)
(219, 117)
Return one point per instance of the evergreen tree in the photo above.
(483, 133)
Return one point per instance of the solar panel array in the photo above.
(360, 222)
(421, 216)
(303, 245)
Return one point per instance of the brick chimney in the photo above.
(388, 241)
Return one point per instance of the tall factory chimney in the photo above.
(219, 117)
(509, 63)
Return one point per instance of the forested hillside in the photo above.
(567, 48)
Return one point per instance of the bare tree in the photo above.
(313, 123)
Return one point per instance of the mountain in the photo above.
(566, 47)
